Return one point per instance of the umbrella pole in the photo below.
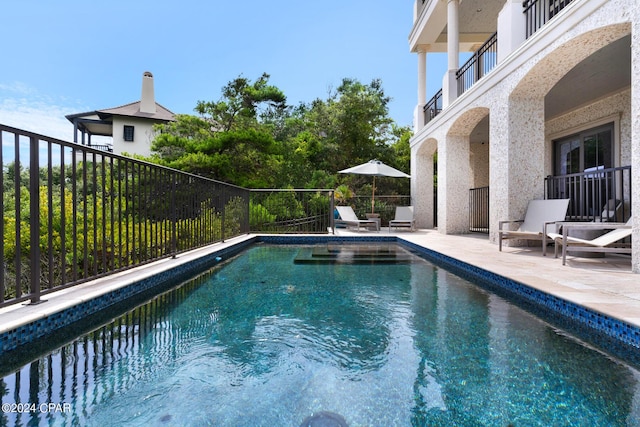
(373, 193)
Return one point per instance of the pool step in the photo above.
(352, 254)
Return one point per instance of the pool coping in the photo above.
(23, 323)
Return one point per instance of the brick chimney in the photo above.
(148, 100)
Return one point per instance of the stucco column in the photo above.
(635, 138)
(418, 115)
(449, 84)
(511, 27)
(422, 190)
(454, 182)
(517, 161)
(453, 36)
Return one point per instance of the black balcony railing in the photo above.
(102, 147)
(481, 62)
(433, 107)
(539, 12)
(598, 195)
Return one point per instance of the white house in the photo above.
(550, 94)
(130, 125)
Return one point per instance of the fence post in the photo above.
(174, 216)
(331, 209)
(224, 208)
(34, 219)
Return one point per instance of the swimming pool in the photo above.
(282, 332)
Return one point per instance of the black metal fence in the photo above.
(479, 210)
(72, 213)
(291, 211)
(481, 63)
(598, 195)
(539, 12)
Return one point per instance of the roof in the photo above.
(100, 122)
(133, 110)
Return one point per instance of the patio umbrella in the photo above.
(375, 168)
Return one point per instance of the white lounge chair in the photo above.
(608, 242)
(403, 218)
(349, 218)
(540, 215)
(610, 211)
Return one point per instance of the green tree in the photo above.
(361, 124)
(250, 137)
(241, 104)
(227, 141)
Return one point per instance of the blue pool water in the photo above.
(279, 334)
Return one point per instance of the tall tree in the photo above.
(362, 123)
(241, 103)
(227, 141)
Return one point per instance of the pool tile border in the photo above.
(623, 335)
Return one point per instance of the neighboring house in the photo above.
(130, 125)
(548, 106)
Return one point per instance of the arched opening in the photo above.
(464, 192)
(585, 85)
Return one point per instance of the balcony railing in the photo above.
(481, 62)
(102, 147)
(597, 195)
(539, 12)
(433, 107)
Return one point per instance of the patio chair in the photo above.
(535, 226)
(608, 242)
(610, 211)
(349, 218)
(403, 218)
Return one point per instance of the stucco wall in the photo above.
(520, 152)
(143, 135)
(480, 164)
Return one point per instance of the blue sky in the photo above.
(76, 56)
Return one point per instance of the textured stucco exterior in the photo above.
(635, 131)
(143, 135)
(512, 96)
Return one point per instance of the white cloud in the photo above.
(21, 106)
(44, 119)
